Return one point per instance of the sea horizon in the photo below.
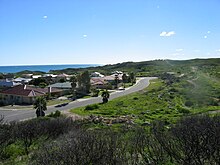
(42, 68)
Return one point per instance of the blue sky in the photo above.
(107, 31)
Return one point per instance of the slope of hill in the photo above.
(152, 68)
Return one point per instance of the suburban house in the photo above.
(22, 80)
(63, 76)
(36, 76)
(27, 75)
(5, 83)
(98, 82)
(24, 94)
(66, 87)
(112, 78)
(96, 74)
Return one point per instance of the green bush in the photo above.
(91, 107)
(55, 114)
(183, 110)
(188, 103)
(135, 98)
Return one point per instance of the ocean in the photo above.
(43, 68)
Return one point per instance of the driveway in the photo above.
(17, 115)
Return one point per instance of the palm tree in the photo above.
(105, 96)
(40, 105)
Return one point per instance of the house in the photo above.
(22, 80)
(49, 75)
(66, 87)
(63, 76)
(111, 78)
(5, 83)
(24, 94)
(99, 82)
(36, 76)
(96, 74)
(27, 75)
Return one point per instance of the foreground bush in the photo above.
(194, 140)
(25, 134)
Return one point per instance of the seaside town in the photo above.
(25, 89)
(109, 82)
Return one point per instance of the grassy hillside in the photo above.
(155, 67)
(183, 88)
(162, 100)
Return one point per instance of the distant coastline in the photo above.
(42, 68)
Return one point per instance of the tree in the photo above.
(40, 105)
(94, 91)
(116, 81)
(105, 96)
(62, 80)
(132, 78)
(38, 81)
(42, 85)
(73, 81)
(124, 79)
(85, 81)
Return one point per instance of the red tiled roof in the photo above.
(98, 81)
(28, 91)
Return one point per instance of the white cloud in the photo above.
(45, 17)
(177, 54)
(218, 50)
(167, 34)
(84, 35)
(179, 50)
(208, 32)
(205, 37)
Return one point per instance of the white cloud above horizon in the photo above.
(167, 34)
(45, 17)
(218, 50)
(179, 50)
(178, 54)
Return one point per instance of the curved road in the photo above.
(17, 115)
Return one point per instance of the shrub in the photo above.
(183, 110)
(55, 114)
(91, 107)
(135, 98)
(188, 103)
(119, 103)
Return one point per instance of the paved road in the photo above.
(16, 115)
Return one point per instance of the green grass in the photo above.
(143, 105)
(56, 102)
(157, 102)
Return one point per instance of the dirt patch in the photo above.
(72, 115)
